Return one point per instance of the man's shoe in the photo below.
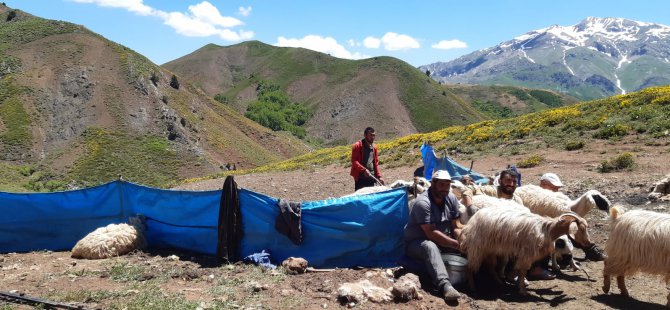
(449, 293)
(594, 253)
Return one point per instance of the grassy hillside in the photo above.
(643, 116)
(334, 89)
(344, 95)
(78, 110)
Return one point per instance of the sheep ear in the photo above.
(616, 211)
(601, 202)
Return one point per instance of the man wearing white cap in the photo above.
(550, 181)
(433, 227)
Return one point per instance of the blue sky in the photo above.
(419, 32)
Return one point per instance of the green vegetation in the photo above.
(573, 145)
(144, 159)
(623, 161)
(548, 98)
(16, 135)
(274, 110)
(545, 129)
(25, 30)
(531, 161)
(493, 109)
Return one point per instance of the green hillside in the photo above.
(78, 110)
(643, 115)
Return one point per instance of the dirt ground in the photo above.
(173, 280)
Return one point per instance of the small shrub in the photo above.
(623, 161)
(609, 131)
(574, 145)
(221, 98)
(530, 162)
(174, 83)
(154, 78)
(164, 98)
(11, 15)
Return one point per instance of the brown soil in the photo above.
(203, 279)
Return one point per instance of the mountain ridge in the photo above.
(595, 58)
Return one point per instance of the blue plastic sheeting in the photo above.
(56, 221)
(351, 231)
(432, 162)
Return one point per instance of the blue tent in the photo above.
(433, 162)
(351, 231)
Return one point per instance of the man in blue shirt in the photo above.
(434, 227)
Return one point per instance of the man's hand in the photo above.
(381, 181)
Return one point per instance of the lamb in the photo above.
(510, 232)
(552, 204)
(564, 249)
(638, 241)
(112, 240)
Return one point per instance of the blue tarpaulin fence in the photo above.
(433, 162)
(343, 232)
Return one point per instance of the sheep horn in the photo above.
(573, 215)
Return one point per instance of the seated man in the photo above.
(433, 227)
(551, 181)
(506, 190)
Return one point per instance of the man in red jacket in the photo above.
(364, 161)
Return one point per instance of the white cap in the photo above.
(551, 178)
(441, 175)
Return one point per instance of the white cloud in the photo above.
(135, 6)
(244, 11)
(351, 42)
(449, 44)
(372, 42)
(317, 43)
(201, 20)
(395, 42)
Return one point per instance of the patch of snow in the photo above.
(623, 59)
(523, 47)
(565, 63)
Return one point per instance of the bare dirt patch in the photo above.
(194, 280)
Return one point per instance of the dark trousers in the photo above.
(364, 181)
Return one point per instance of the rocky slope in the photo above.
(77, 107)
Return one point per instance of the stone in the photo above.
(295, 265)
(407, 288)
(363, 290)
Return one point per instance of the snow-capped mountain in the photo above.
(596, 58)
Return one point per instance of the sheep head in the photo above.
(588, 201)
(561, 226)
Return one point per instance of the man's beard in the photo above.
(507, 190)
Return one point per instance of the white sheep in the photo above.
(416, 187)
(485, 201)
(639, 241)
(112, 240)
(545, 202)
(510, 232)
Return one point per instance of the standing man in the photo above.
(364, 161)
(433, 227)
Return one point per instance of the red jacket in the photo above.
(357, 157)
